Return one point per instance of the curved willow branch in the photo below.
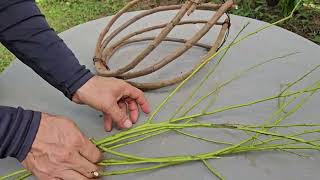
(174, 55)
(104, 52)
(169, 82)
(108, 50)
(152, 45)
(207, 6)
(169, 39)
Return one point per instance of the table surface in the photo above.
(20, 86)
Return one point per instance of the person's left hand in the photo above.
(114, 97)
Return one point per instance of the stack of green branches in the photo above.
(260, 137)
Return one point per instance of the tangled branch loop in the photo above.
(105, 49)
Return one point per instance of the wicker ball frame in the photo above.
(105, 50)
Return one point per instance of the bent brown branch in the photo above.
(170, 39)
(106, 52)
(103, 53)
(169, 82)
(186, 47)
(152, 45)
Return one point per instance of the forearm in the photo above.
(18, 128)
(25, 32)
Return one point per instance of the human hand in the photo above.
(113, 97)
(61, 151)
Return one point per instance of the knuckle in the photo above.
(66, 156)
(41, 176)
(94, 169)
(97, 157)
(76, 142)
(83, 178)
(106, 108)
(123, 84)
(122, 117)
(42, 170)
(140, 93)
(87, 172)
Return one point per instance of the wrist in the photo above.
(75, 83)
(82, 91)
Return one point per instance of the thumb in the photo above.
(119, 117)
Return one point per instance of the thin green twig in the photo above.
(13, 174)
(213, 171)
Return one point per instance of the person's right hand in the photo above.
(61, 151)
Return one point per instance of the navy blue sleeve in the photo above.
(18, 128)
(25, 32)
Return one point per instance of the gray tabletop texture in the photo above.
(20, 86)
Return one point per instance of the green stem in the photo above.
(138, 140)
(279, 111)
(119, 135)
(294, 135)
(134, 134)
(235, 77)
(301, 78)
(13, 174)
(202, 138)
(279, 135)
(282, 126)
(213, 171)
(241, 105)
(124, 155)
(211, 57)
(212, 70)
(23, 176)
(266, 148)
(135, 170)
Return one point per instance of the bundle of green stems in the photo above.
(260, 137)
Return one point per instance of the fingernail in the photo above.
(127, 124)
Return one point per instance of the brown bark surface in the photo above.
(104, 51)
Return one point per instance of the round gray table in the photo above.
(20, 86)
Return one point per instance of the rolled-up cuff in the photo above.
(77, 82)
(30, 137)
(18, 129)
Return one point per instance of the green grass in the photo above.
(306, 22)
(5, 58)
(64, 14)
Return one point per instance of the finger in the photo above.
(51, 178)
(123, 106)
(107, 122)
(138, 96)
(90, 151)
(119, 117)
(133, 108)
(46, 177)
(83, 166)
(72, 175)
(43, 176)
